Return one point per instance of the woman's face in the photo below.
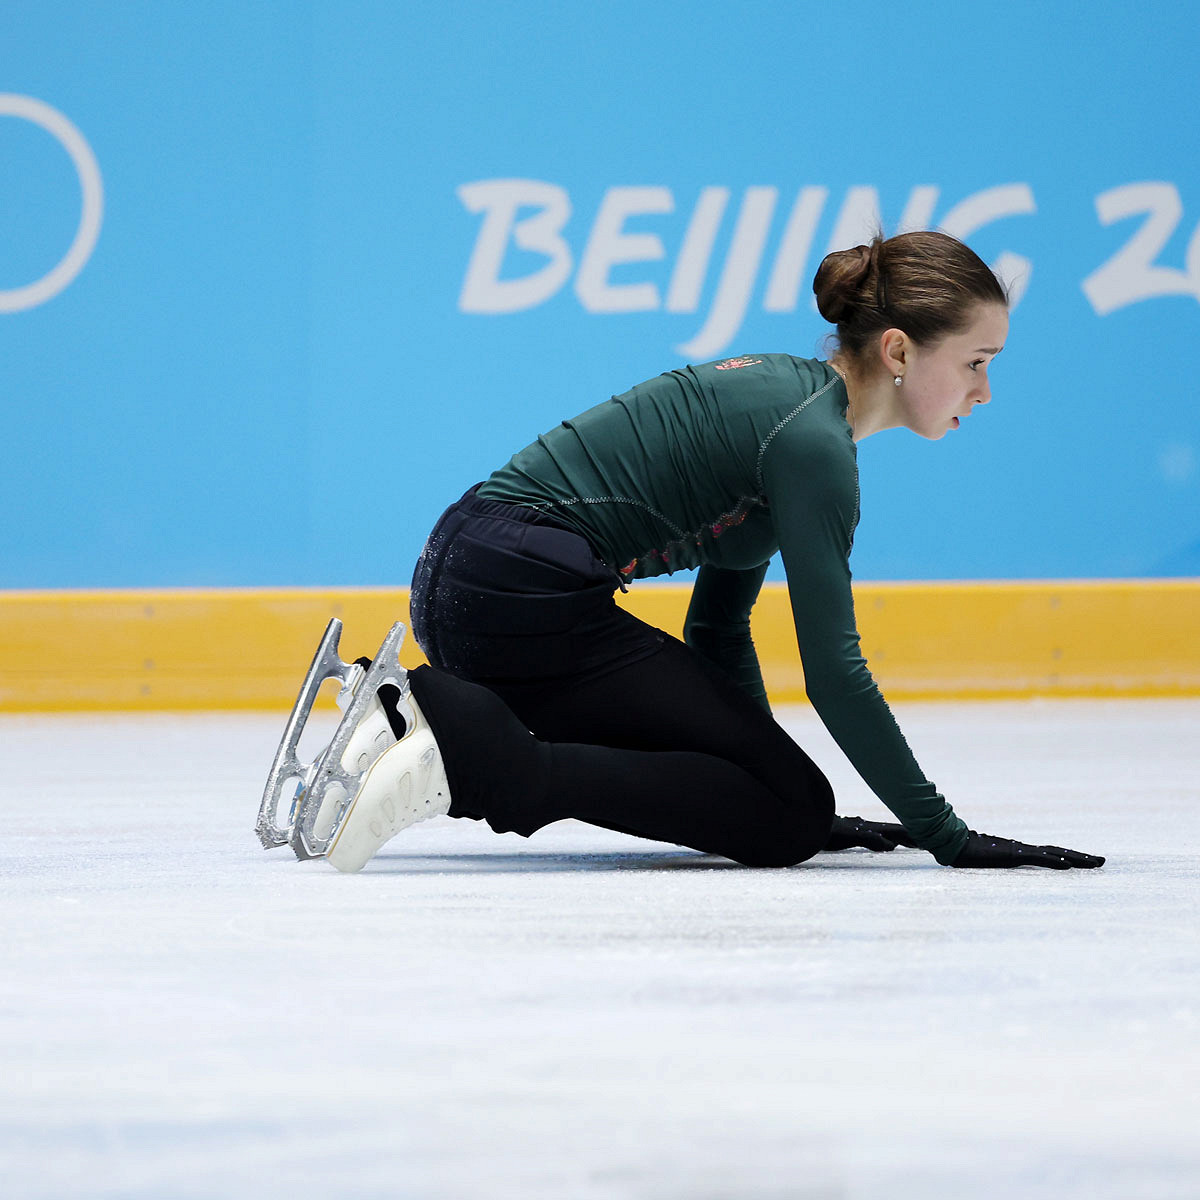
(943, 383)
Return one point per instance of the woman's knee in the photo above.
(803, 831)
(787, 851)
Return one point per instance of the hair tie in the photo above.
(881, 296)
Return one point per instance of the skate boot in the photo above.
(405, 784)
(382, 725)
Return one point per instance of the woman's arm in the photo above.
(814, 502)
(811, 485)
(717, 625)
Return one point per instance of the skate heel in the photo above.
(406, 784)
(370, 739)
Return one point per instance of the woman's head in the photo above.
(926, 284)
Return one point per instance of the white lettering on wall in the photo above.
(500, 200)
(92, 208)
(738, 276)
(1131, 275)
(861, 216)
(691, 267)
(610, 245)
(787, 276)
(993, 204)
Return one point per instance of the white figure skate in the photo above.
(366, 785)
(405, 784)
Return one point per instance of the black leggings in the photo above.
(549, 701)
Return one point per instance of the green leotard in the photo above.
(721, 466)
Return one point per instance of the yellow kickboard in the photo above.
(249, 648)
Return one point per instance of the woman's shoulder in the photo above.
(816, 416)
(789, 366)
(775, 383)
(813, 439)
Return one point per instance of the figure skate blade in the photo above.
(324, 774)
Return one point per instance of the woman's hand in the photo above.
(870, 835)
(983, 850)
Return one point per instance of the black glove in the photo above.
(871, 835)
(983, 850)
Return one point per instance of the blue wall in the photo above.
(314, 311)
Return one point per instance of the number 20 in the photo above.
(1132, 274)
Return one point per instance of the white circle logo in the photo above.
(88, 170)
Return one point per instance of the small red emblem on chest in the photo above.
(732, 364)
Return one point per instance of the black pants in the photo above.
(549, 701)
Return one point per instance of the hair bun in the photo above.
(840, 279)
(924, 282)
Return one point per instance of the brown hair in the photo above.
(925, 283)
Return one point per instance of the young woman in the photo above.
(545, 700)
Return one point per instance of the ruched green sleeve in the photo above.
(810, 481)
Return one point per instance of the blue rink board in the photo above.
(350, 257)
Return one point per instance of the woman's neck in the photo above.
(872, 401)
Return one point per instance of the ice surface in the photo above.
(583, 1015)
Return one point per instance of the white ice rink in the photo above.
(582, 1015)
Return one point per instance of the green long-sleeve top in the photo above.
(721, 466)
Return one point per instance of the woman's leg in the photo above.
(665, 748)
(631, 730)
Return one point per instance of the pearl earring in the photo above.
(899, 380)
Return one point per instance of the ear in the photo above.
(893, 350)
